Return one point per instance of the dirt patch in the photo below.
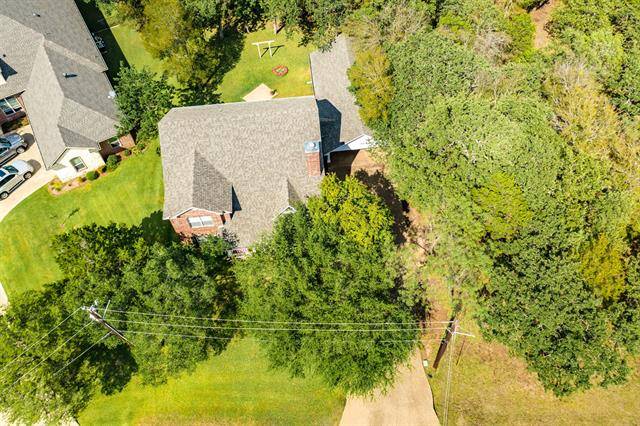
(541, 17)
(408, 402)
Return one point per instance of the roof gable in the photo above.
(247, 156)
(339, 113)
(48, 53)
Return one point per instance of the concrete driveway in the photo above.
(408, 403)
(40, 177)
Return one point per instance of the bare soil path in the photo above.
(408, 403)
(541, 17)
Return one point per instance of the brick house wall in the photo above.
(126, 142)
(185, 231)
(7, 118)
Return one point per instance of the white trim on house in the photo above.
(361, 142)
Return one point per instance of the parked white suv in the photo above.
(12, 176)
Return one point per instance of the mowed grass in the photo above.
(251, 71)
(127, 195)
(234, 388)
(490, 387)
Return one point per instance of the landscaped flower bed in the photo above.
(57, 187)
(280, 70)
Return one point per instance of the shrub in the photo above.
(112, 162)
(92, 175)
(127, 152)
(103, 169)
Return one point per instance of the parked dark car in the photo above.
(11, 145)
(12, 176)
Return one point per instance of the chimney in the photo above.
(313, 157)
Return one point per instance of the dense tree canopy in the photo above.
(52, 377)
(527, 161)
(329, 272)
(142, 100)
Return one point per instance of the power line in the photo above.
(38, 341)
(66, 365)
(248, 338)
(269, 322)
(338, 330)
(84, 352)
(449, 372)
(49, 355)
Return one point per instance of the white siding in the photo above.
(92, 160)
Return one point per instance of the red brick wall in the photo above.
(126, 142)
(184, 230)
(314, 163)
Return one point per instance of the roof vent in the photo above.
(36, 14)
(69, 74)
(311, 147)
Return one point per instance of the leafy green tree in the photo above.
(626, 89)
(427, 66)
(224, 14)
(332, 261)
(319, 20)
(143, 99)
(371, 83)
(113, 263)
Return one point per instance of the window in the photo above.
(115, 143)
(78, 164)
(200, 221)
(10, 105)
(6, 180)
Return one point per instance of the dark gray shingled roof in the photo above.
(339, 116)
(247, 155)
(40, 40)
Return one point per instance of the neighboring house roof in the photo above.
(245, 157)
(339, 117)
(40, 42)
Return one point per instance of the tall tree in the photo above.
(330, 266)
(142, 100)
(52, 376)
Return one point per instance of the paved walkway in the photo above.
(260, 93)
(40, 177)
(408, 403)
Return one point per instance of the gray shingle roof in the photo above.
(250, 153)
(339, 116)
(40, 40)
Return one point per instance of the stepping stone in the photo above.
(260, 93)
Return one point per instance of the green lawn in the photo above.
(234, 388)
(128, 195)
(491, 387)
(250, 70)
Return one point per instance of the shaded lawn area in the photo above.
(490, 387)
(123, 42)
(250, 70)
(131, 194)
(235, 387)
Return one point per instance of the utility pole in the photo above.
(445, 343)
(95, 316)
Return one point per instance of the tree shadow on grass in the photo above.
(212, 61)
(156, 229)
(97, 24)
